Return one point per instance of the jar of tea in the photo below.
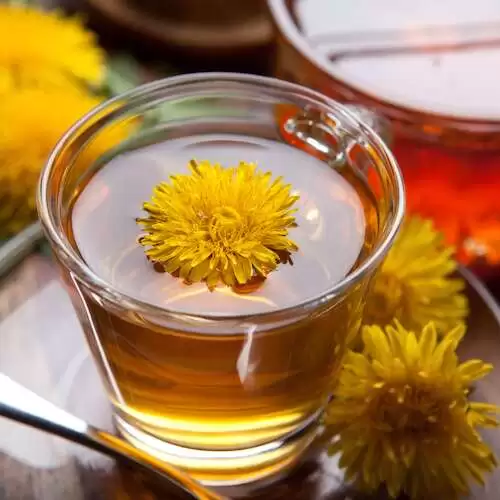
(431, 68)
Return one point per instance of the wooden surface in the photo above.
(42, 347)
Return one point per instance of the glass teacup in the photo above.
(229, 384)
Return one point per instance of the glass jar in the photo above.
(427, 67)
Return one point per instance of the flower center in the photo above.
(225, 223)
(411, 411)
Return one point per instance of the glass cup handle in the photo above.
(326, 138)
(374, 120)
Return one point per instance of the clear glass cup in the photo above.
(173, 378)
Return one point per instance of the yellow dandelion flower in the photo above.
(45, 48)
(415, 285)
(402, 416)
(36, 120)
(219, 224)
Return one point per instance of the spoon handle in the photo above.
(20, 404)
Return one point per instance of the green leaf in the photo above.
(123, 73)
(25, 3)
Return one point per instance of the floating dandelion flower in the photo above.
(219, 225)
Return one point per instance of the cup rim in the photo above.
(76, 264)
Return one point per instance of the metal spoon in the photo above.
(20, 404)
